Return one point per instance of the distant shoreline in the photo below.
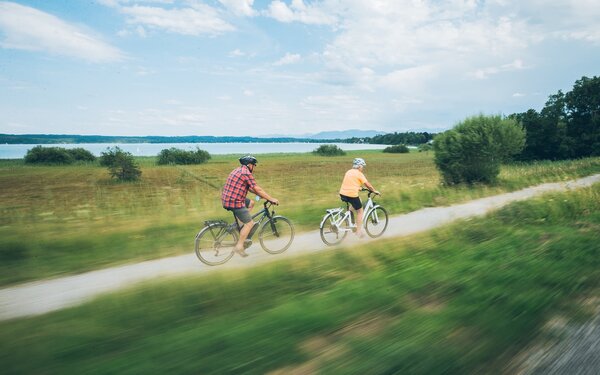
(46, 139)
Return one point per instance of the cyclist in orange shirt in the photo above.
(353, 181)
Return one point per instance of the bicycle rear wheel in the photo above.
(276, 235)
(215, 244)
(330, 233)
(376, 222)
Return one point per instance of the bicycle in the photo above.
(337, 222)
(216, 241)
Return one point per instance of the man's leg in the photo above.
(244, 216)
(239, 248)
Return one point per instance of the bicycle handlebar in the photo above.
(370, 191)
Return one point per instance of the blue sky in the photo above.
(263, 67)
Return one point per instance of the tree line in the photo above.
(567, 127)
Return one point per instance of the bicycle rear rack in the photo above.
(209, 223)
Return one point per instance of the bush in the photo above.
(120, 164)
(397, 149)
(329, 150)
(177, 156)
(57, 155)
(81, 154)
(474, 149)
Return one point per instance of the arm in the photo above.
(370, 187)
(263, 194)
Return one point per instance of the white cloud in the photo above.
(236, 53)
(487, 72)
(289, 58)
(313, 14)
(30, 29)
(240, 7)
(198, 19)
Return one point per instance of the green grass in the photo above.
(57, 220)
(463, 299)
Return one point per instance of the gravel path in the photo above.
(44, 296)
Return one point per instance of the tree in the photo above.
(329, 150)
(120, 164)
(57, 155)
(177, 156)
(474, 149)
(397, 149)
(583, 113)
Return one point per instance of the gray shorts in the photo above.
(243, 214)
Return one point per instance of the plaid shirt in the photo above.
(236, 187)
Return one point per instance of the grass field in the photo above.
(68, 219)
(463, 299)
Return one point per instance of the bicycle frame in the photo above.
(264, 213)
(339, 218)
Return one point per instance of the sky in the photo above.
(284, 67)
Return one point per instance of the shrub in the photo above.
(397, 149)
(329, 150)
(177, 156)
(425, 147)
(57, 155)
(474, 149)
(120, 164)
(81, 154)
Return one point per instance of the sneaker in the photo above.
(241, 252)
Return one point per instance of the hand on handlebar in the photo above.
(274, 201)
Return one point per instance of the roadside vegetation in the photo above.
(463, 299)
(84, 220)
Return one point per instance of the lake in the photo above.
(18, 151)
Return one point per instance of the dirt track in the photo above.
(44, 296)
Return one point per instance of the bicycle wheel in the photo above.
(330, 234)
(276, 235)
(215, 244)
(376, 222)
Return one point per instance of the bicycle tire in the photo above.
(276, 235)
(376, 222)
(330, 235)
(215, 244)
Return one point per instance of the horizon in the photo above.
(266, 67)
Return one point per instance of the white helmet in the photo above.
(358, 162)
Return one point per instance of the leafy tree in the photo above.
(397, 149)
(81, 154)
(474, 149)
(57, 155)
(568, 126)
(583, 113)
(48, 155)
(329, 150)
(177, 156)
(120, 164)
(408, 138)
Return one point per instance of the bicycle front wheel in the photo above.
(331, 234)
(376, 222)
(276, 235)
(215, 244)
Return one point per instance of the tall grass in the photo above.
(463, 299)
(65, 219)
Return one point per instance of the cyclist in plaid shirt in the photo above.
(239, 182)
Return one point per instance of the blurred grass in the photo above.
(67, 219)
(463, 299)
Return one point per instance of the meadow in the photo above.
(468, 298)
(58, 220)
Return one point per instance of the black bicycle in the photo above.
(215, 243)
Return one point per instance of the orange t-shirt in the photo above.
(353, 180)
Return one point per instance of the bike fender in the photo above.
(323, 221)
